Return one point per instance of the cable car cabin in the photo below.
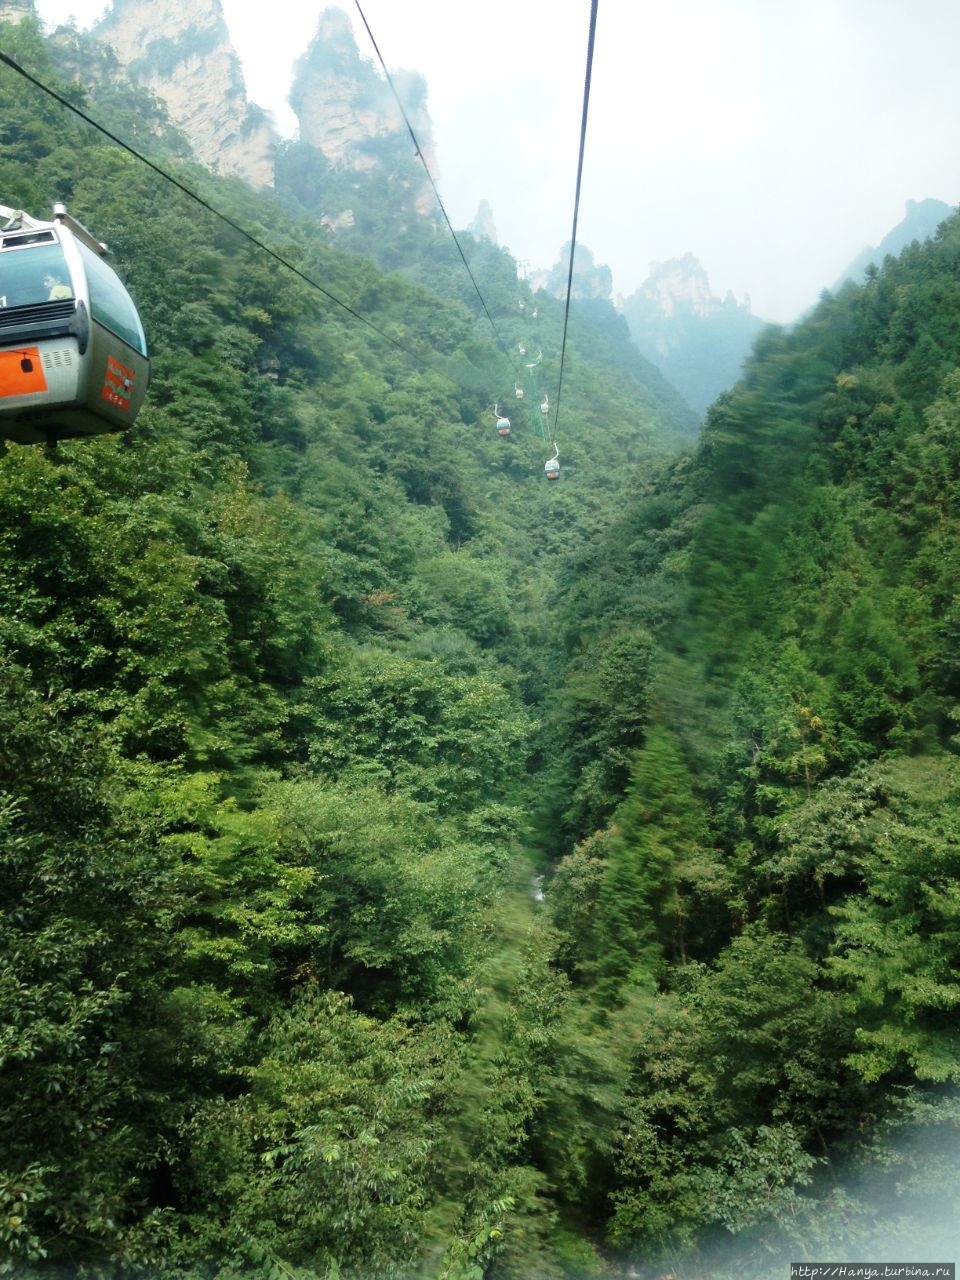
(503, 426)
(552, 468)
(519, 392)
(73, 356)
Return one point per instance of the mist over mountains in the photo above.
(920, 221)
(351, 165)
(697, 340)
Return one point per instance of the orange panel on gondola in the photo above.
(21, 372)
(117, 384)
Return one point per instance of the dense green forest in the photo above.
(415, 868)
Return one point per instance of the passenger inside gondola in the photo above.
(56, 289)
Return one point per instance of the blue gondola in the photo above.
(73, 355)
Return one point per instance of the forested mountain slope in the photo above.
(270, 669)
(304, 679)
(773, 901)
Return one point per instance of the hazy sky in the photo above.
(773, 139)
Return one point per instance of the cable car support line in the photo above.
(420, 156)
(576, 202)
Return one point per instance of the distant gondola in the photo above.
(73, 355)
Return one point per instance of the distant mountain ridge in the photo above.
(697, 340)
(920, 222)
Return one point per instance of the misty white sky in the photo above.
(772, 139)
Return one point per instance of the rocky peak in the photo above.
(182, 53)
(591, 279)
(698, 341)
(679, 284)
(483, 226)
(347, 110)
